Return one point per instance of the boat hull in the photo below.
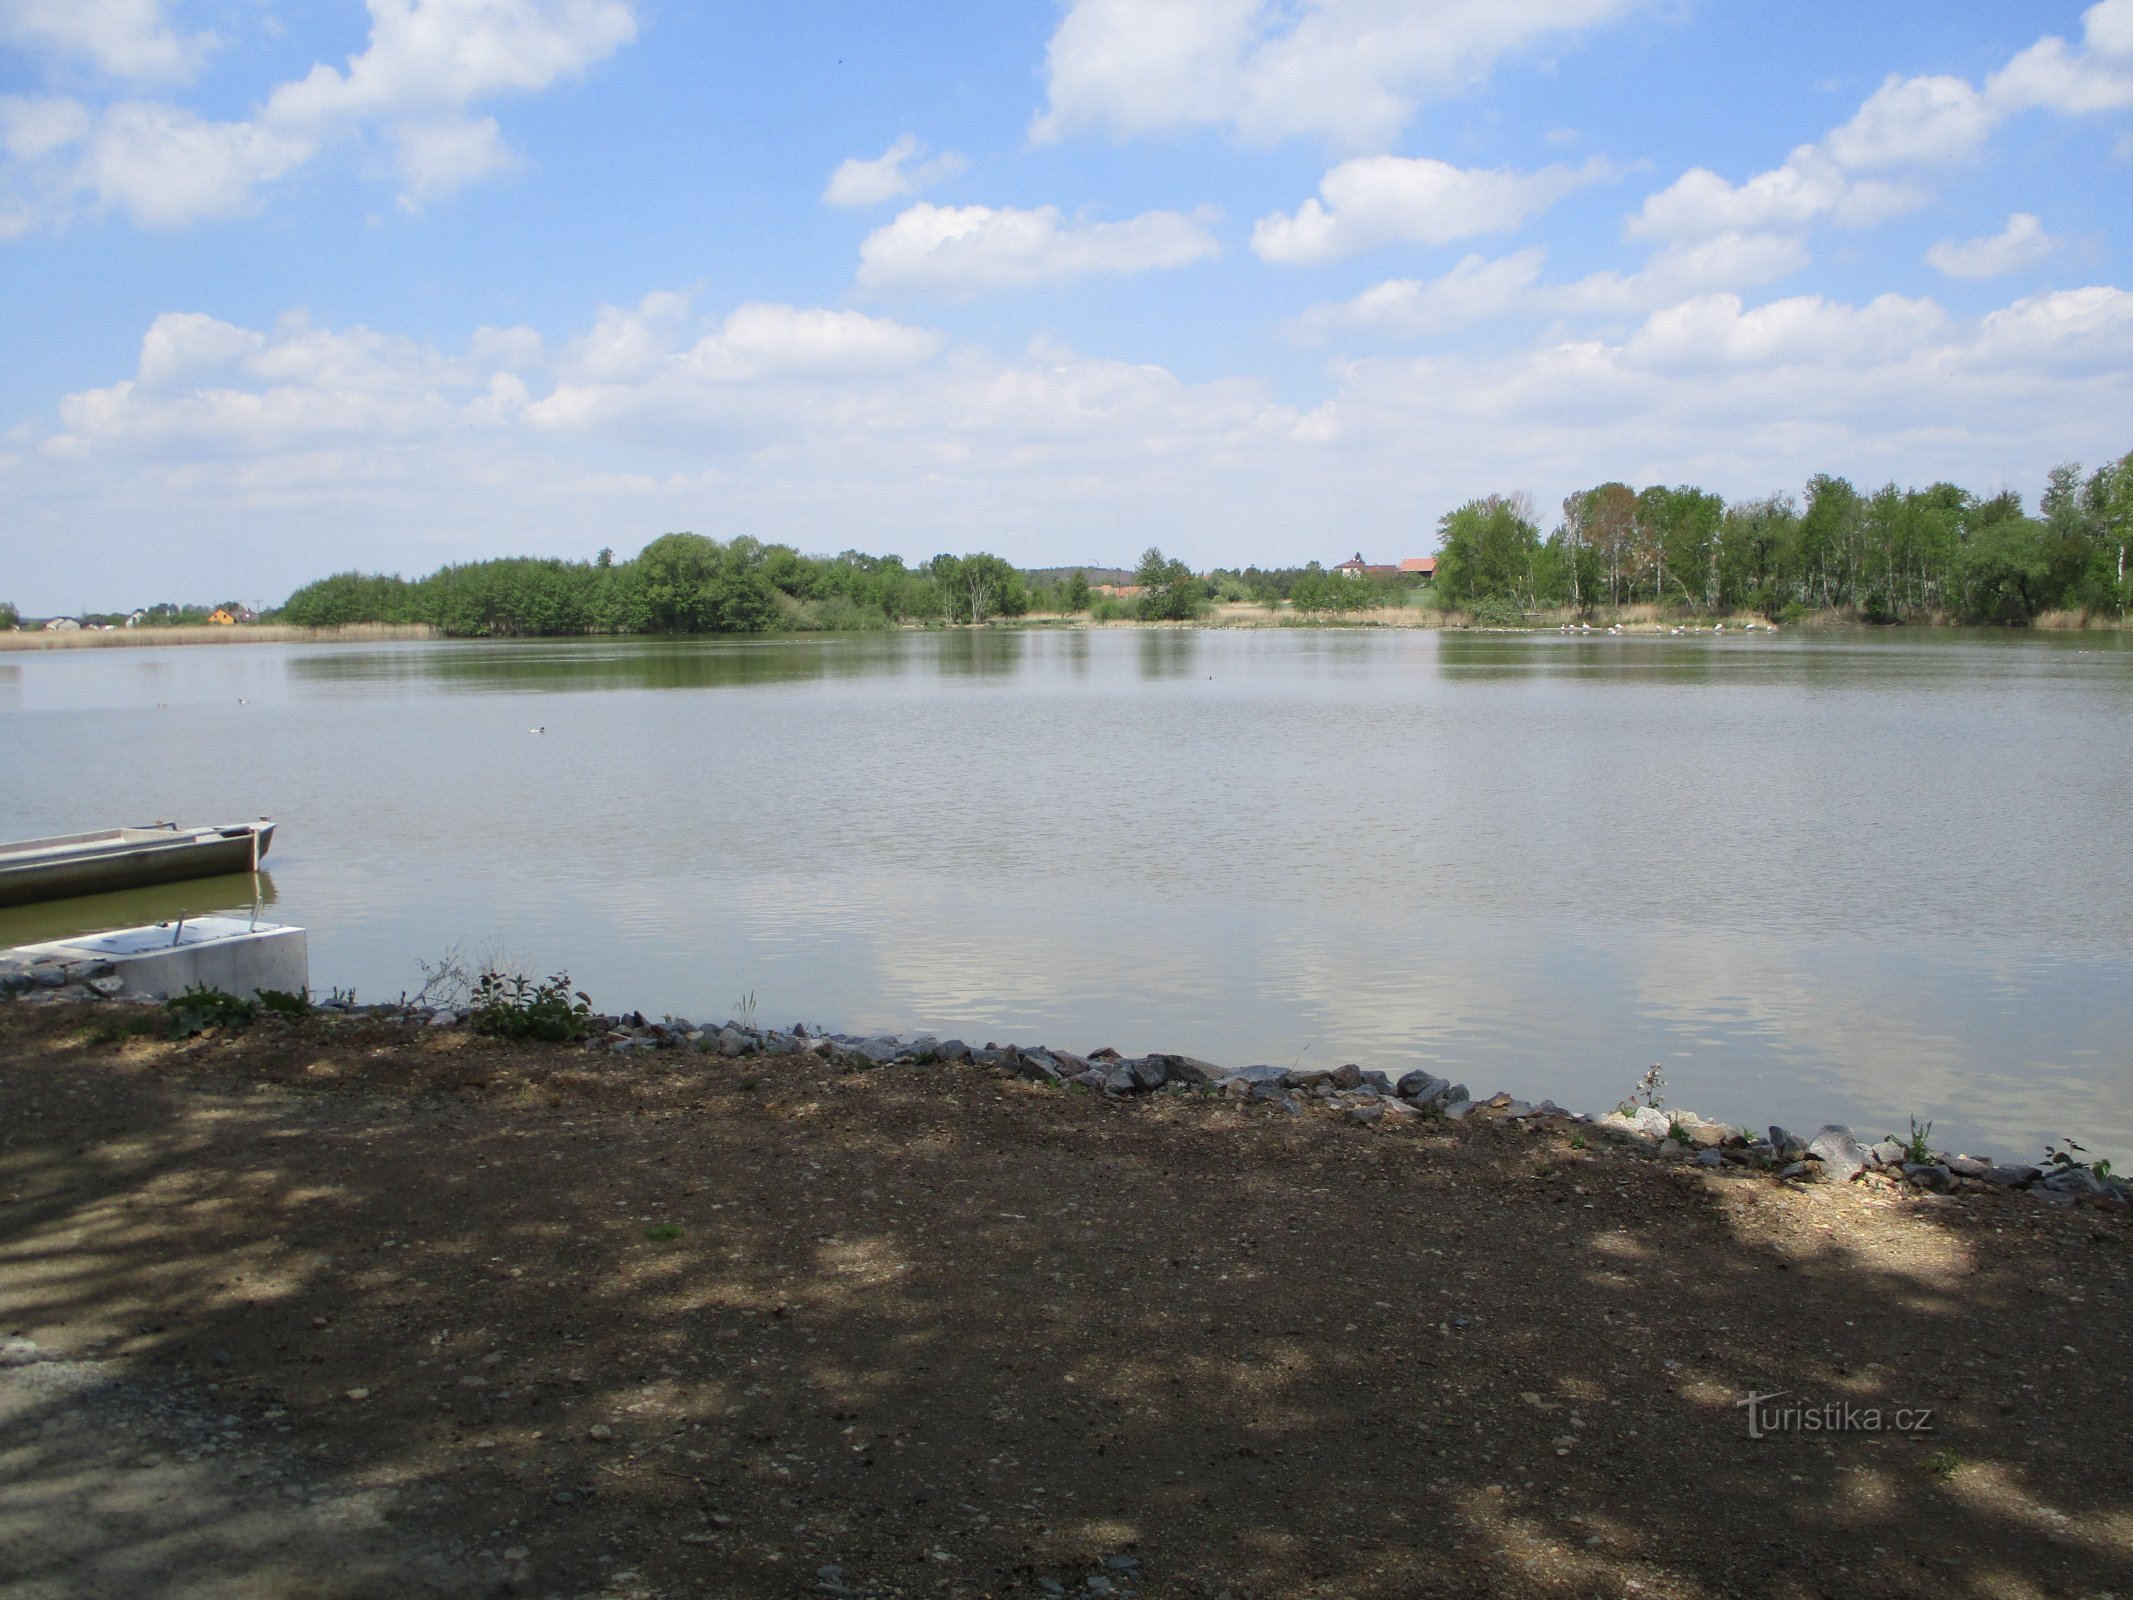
(126, 858)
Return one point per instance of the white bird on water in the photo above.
(543, 728)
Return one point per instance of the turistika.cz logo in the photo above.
(1767, 1417)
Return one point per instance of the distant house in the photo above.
(1423, 567)
(136, 619)
(62, 625)
(1356, 567)
(221, 618)
(1118, 591)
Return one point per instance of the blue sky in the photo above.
(289, 290)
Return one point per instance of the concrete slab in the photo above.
(228, 953)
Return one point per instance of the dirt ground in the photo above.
(367, 1309)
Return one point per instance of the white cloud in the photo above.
(1383, 199)
(1473, 291)
(426, 63)
(1729, 261)
(964, 250)
(1810, 187)
(189, 344)
(1479, 288)
(2016, 246)
(125, 38)
(1351, 69)
(1910, 120)
(2088, 329)
(1715, 330)
(893, 174)
(33, 126)
(2054, 75)
(167, 167)
(1907, 122)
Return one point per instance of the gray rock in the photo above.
(1040, 1068)
(1119, 1080)
(1365, 1114)
(881, 1051)
(1458, 1110)
(1069, 1063)
(1928, 1175)
(45, 976)
(2073, 1180)
(1188, 1070)
(951, 1051)
(1346, 1076)
(2013, 1175)
(1421, 1085)
(1149, 1072)
(1966, 1166)
(1642, 1122)
(1279, 1077)
(1842, 1159)
(1396, 1110)
(1094, 1078)
(732, 1042)
(1886, 1153)
(1788, 1145)
(1796, 1169)
(1709, 1158)
(1376, 1082)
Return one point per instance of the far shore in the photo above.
(1640, 619)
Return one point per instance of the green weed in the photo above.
(518, 1008)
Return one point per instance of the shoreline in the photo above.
(1359, 1096)
(1237, 616)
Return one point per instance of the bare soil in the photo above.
(368, 1309)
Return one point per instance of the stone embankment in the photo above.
(1359, 1096)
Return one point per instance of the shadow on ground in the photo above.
(506, 1320)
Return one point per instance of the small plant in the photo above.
(1577, 1141)
(285, 1002)
(1944, 1464)
(445, 982)
(1676, 1132)
(2071, 1160)
(201, 1008)
(663, 1232)
(518, 1008)
(341, 997)
(744, 1011)
(748, 1085)
(1917, 1149)
(1650, 1093)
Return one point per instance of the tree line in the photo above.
(685, 583)
(1886, 556)
(1893, 554)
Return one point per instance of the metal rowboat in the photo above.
(127, 858)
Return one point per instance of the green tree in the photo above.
(1074, 593)
(1169, 591)
(10, 618)
(1486, 550)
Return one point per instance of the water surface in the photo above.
(1853, 876)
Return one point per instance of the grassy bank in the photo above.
(243, 633)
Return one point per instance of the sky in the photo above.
(294, 289)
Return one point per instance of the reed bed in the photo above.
(243, 633)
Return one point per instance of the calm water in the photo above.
(1848, 877)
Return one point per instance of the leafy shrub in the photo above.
(285, 1002)
(201, 1008)
(516, 1007)
(1498, 611)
